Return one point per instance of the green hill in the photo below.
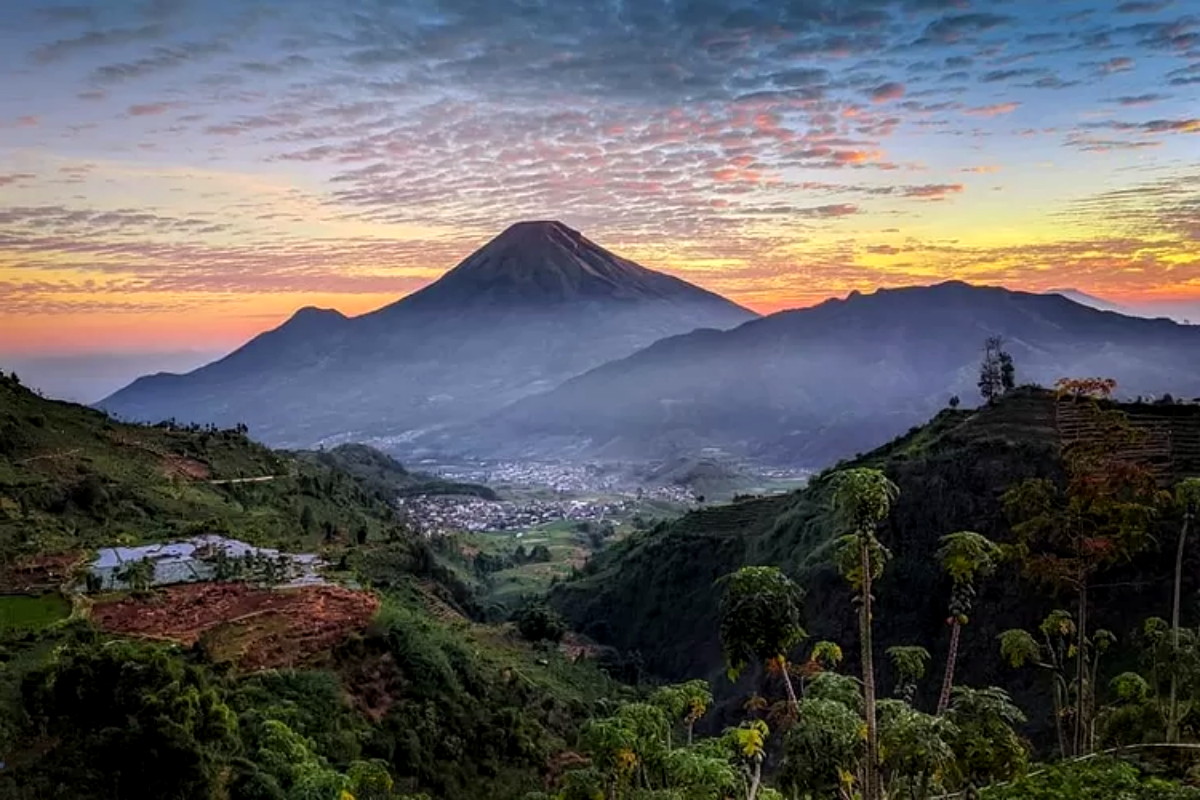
(419, 696)
(654, 593)
(388, 476)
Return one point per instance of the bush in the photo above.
(1095, 779)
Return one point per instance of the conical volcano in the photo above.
(546, 263)
(535, 306)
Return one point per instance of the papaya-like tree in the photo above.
(759, 618)
(825, 656)
(910, 664)
(1052, 653)
(965, 556)
(683, 702)
(862, 500)
(1187, 497)
(750, 741)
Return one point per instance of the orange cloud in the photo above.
(857, 156)
(994, 110)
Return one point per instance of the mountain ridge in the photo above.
(536, 305)
(807, 386)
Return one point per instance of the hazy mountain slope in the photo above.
(538, 304)
(816, 384)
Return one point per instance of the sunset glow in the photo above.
(178, 174)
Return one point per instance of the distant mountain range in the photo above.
(810, 386)
(537, 305)
(544, 345)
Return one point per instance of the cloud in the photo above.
(94, 40)
(997, 75)
(983, 169)
(957, 27)
(1187, 125)
(16, 178)
(1139, 99)
(932, 191)
(836, 210)
(1115, 64)
(149, 109)
(1143, 6)
(886, 91)
(994, 110)
(160, 59)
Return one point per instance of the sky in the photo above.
(178, 175)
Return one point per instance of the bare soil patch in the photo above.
(40, 573)
(254, 627)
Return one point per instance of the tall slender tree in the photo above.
(965, 556)
(862, 499)
(1187, 497)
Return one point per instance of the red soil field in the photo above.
(256, 628)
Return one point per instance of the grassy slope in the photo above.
(654, 593)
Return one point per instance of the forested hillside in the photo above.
(657, 593)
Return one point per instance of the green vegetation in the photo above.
(512, 567)
(71, 478)
(31, 613)
(383, 474)
(421, 701)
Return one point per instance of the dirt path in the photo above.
(259, 479)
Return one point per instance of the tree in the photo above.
(987, 748)
(823, 750)
(759, 618)
(138, 575)
(964, 556)
(915, 749)
(306, 519)
(750, 740)
(537, 622)
(684, 702)
(127, 722)
(997, 374)
(1101, 514)
(1019, 647)
(1172, 661)
(862, 499)
(1060, 644)
(1187, 497)
(954, 401)
(910, 664)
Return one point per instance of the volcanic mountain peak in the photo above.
(542, 264)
